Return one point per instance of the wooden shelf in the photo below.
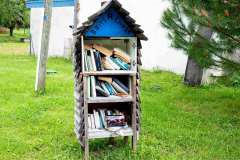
(104, 133)
(109, 72)
(111, 99)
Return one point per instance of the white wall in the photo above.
(156, 51)
(60, 32)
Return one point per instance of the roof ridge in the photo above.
(123, 12)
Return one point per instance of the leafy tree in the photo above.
(13, 14)
(208, 31)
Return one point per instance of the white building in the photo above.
(157, 52)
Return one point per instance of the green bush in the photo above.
(235, 79)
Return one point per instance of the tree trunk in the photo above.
(194, 72)
(11, 31)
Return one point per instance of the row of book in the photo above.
(99, 58)
(102, 86)
(103, 118)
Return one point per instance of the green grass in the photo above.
(12, 45)
(178, 122)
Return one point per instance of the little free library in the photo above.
(107, 60)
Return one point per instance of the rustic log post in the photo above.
(42, 56)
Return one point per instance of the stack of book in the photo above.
(99, 58)
(103, 118)
(106, 86)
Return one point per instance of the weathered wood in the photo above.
(86, 145)
(114, 99)
(42, 56)
(134, 118)
(103, 133)
(84, 133)
(76, 14)
(109, 73)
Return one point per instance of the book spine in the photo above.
(89, 86)
(118, 88)
(118, 63)
(93, 121)
(89, 61)
(105, 88)
(109, 88)
(98, 61)
(121, 85)
(89, 121)
(85, 62)
(93, 86)
(115, 66)
(93, 61)
(101, 119)
(123, 65)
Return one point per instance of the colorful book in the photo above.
(101, 91)
(98, 61)
(92, 121)
(105, 88)
(96, 118)
(106, 79)
(109, 88)
(102, 112)
(85, 61)
(120, 63)
(121, 84)
(93, 61)
(101, 119)
(93, 86)
(106, 64)
(113, 89)
(118, 88)
(114, 65)
(89, 121)
(89, 86)
(103, 50)
(89, 61)
(122, 55)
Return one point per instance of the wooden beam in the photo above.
(42, 56)
(76, 14)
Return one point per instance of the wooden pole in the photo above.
(42, 56)
(76, 12)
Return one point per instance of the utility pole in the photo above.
(76, 12)
(43, 55)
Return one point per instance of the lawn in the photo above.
(12, 45)
(178, 122)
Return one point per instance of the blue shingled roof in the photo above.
(56, 3)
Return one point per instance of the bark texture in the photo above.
(194, 72)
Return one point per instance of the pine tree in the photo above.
(207, 31)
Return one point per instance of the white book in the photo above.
(105, 88)
(115, 92)
(93, 86)
(96, 119)
(103, 117)
(92, 121)
(93, 60)
(118, 88)
(86, 65)
(114, 65)
(89, 121)
(89, 86)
